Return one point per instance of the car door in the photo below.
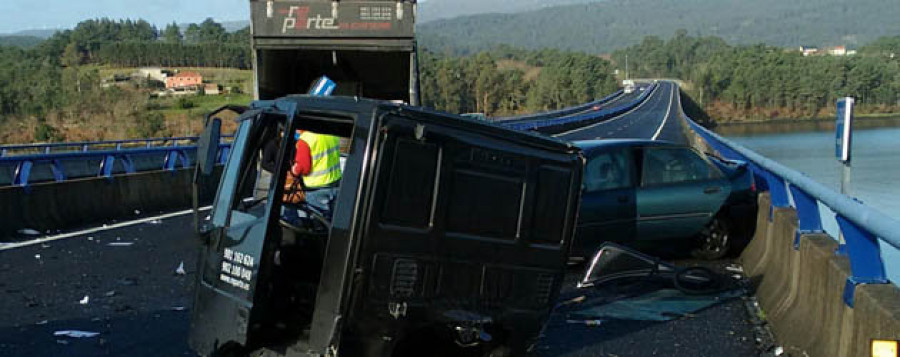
(608, 200)
(680, 191)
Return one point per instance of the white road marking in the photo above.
(665, 118)
(96, 229)
(649, 97)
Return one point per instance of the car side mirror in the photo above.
(208, 146)
(613, 261)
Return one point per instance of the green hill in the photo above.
(20, 41)
(605, 26)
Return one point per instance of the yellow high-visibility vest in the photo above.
(325, 151)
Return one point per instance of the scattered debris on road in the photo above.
(586, 322)
(120, 244)
(85, 300)
(180, 270)
(576, 300)
(75, 333)
(734, 268)
(29, 231)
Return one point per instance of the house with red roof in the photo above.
(184, 79)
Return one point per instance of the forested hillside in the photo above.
(20, 41)
(431, 10)
(507, 81)
(137, 43)
(759, 81)
(605, 26)
(52, 91)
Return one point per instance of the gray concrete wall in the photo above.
(82, 202)
(801, 291)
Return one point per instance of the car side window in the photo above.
(673, 165)
(607, 171)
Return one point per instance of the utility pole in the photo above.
(626, 66)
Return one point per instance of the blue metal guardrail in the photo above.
(862, 227)
(601, 114)
(85, 146)
(559, 112)
(17, 170)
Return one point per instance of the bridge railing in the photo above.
(575, 120)
(85, 146)
(24, 169)
(863, 228)
(559, 112)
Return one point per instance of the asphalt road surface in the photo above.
(140, 306)
(659, 117)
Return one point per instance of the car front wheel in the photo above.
(714, 241)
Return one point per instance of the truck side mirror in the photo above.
(208, 146)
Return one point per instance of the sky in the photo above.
(53, 14)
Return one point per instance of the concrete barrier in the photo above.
(755, 256)
(52, 206)
(801, 291)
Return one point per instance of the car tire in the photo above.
(714, 241)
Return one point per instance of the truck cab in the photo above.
(367, 47)
(449, 236)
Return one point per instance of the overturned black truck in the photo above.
(449, 236)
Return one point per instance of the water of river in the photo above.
(875, 178)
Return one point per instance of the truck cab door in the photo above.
(235, 259)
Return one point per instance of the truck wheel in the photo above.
(715, 240)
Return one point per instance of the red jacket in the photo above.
(302, 159)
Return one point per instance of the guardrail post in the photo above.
(807, 214)
(777, 191)
(172, 159)
(106, 166)
(58, 173)
(128, 163)
(866, 266)
(169, 164)
(23, 171)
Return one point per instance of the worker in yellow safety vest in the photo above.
(317, 167)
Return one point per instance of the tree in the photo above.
(193, 34)
(71, 56)
(172, 33)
